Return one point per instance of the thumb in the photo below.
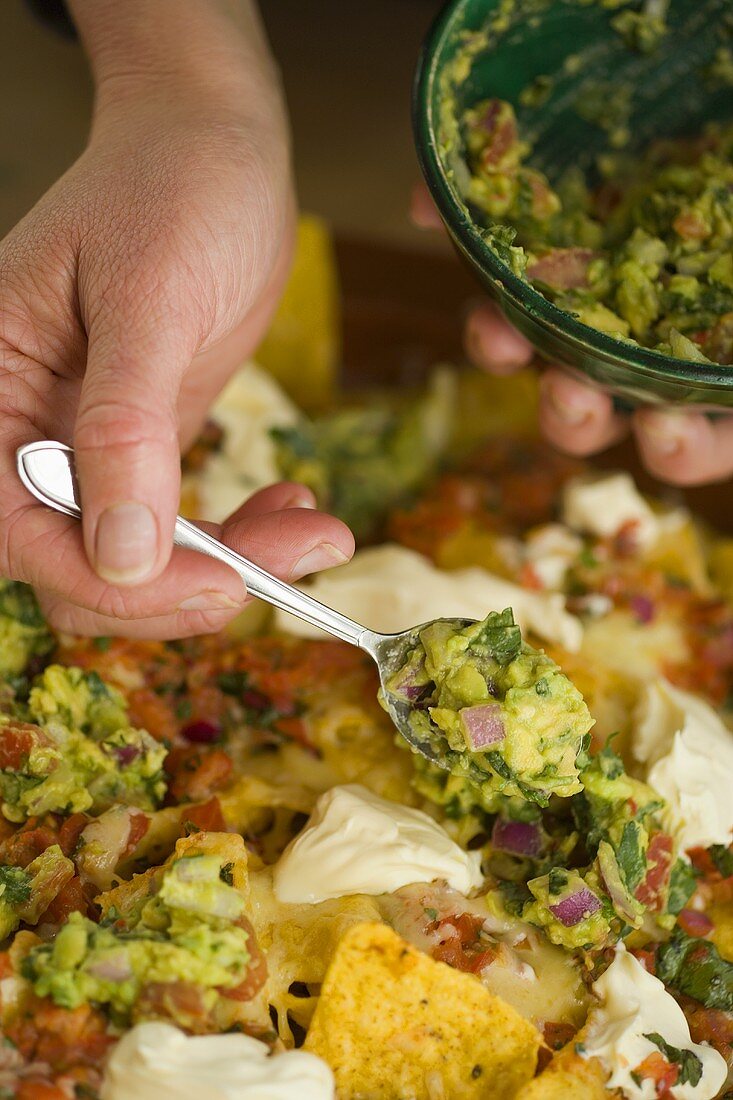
(126, 441)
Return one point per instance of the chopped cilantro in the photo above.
(631, 855)
(542, 687)
(609, 762)
(183, 709)
(682, 882)
(557, 880)
(687, 1061)
(15, 885)
(431, 913)
(233, 683)
(722, 857)
(694, 967)
(102, 644)
(501, 636)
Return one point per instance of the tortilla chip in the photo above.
(393, 1022)
(569, 1075)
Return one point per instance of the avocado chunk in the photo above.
(507, 720)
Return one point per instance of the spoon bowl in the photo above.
(47, 471)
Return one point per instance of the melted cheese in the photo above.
(250, 406)
(688, 756)
(357, 843)
(634, 1004)
(156, 1061)
(390, 588)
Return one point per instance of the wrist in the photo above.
(204, 53)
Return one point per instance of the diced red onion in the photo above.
(576, 907)
(482, 725)
(563, 268)
(254, 699)
(643, 608)
(521, 838)
(404, 686)
(125, 754)
(201, 732)
(114, 967)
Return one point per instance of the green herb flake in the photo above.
(687, 1061)
(15, 885)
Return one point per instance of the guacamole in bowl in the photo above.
(549, 136)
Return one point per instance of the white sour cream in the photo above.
(390, 588)
(157, 1061)
(633, 1004)
(250, 405)
(688, 755)
(358, 843)
(602, 506)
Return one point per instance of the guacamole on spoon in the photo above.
(507, 721)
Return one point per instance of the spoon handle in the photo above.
(47, 471)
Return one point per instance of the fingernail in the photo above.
(571, 414)
(126, 543)
(299, 500)
(323, 556)
(209, 601)
(665, 442)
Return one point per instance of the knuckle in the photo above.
(119, 422)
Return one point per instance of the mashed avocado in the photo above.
(645, 256)
(23, 631)
(507, 720)
(184, 931)
(362, 462)
(74, 750)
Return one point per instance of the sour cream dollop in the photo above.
(156, 1061)
(634, 1004)
(688, 753)
(603, 505)
(390, 588)
(358, 843)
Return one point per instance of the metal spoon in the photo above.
(47, 471)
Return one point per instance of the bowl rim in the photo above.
(641, 361)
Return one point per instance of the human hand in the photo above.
(678, 446)
(130, 293)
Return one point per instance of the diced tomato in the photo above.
(694, 923)
(70, 899)
(650, 891)
(60, 1037)
(139, 825)
(152, 712)
(710, 1025)
(690, 226)
(35, 1088)
(29, 841)
(702, 861)
(461, 946)
(206, 816)
(645, 957)
(70, 831)
(195, 773)
(182, 1002)
(656, 1068)
(557, 1034)
(16, 742)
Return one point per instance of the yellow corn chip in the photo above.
(569, 1075)
(392, 1022)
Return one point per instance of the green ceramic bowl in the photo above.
(671, 93)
